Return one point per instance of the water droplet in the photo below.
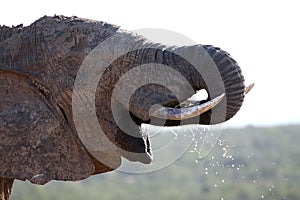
(216, 185)
(262, 196)
(196, 161)
(223, 181)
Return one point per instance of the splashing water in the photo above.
(205, 139)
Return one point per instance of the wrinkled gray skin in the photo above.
(38, 67)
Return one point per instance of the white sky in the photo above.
(263, 36)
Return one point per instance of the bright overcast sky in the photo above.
(263, 36)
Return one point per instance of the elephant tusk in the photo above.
(186, 113)
(249, 88)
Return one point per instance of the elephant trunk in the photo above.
(168, 77)
(233, 81)
(141, 76)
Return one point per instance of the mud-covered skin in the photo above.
(38, 67)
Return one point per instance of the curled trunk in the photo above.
(173, 75)
(151, 75)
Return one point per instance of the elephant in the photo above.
(41, 63)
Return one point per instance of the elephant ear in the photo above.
(36, 142)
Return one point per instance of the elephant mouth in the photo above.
(187, 110)
(140, 149)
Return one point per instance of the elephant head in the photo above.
(148, 83)
(62, 79)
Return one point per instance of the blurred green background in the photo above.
(247, 163)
